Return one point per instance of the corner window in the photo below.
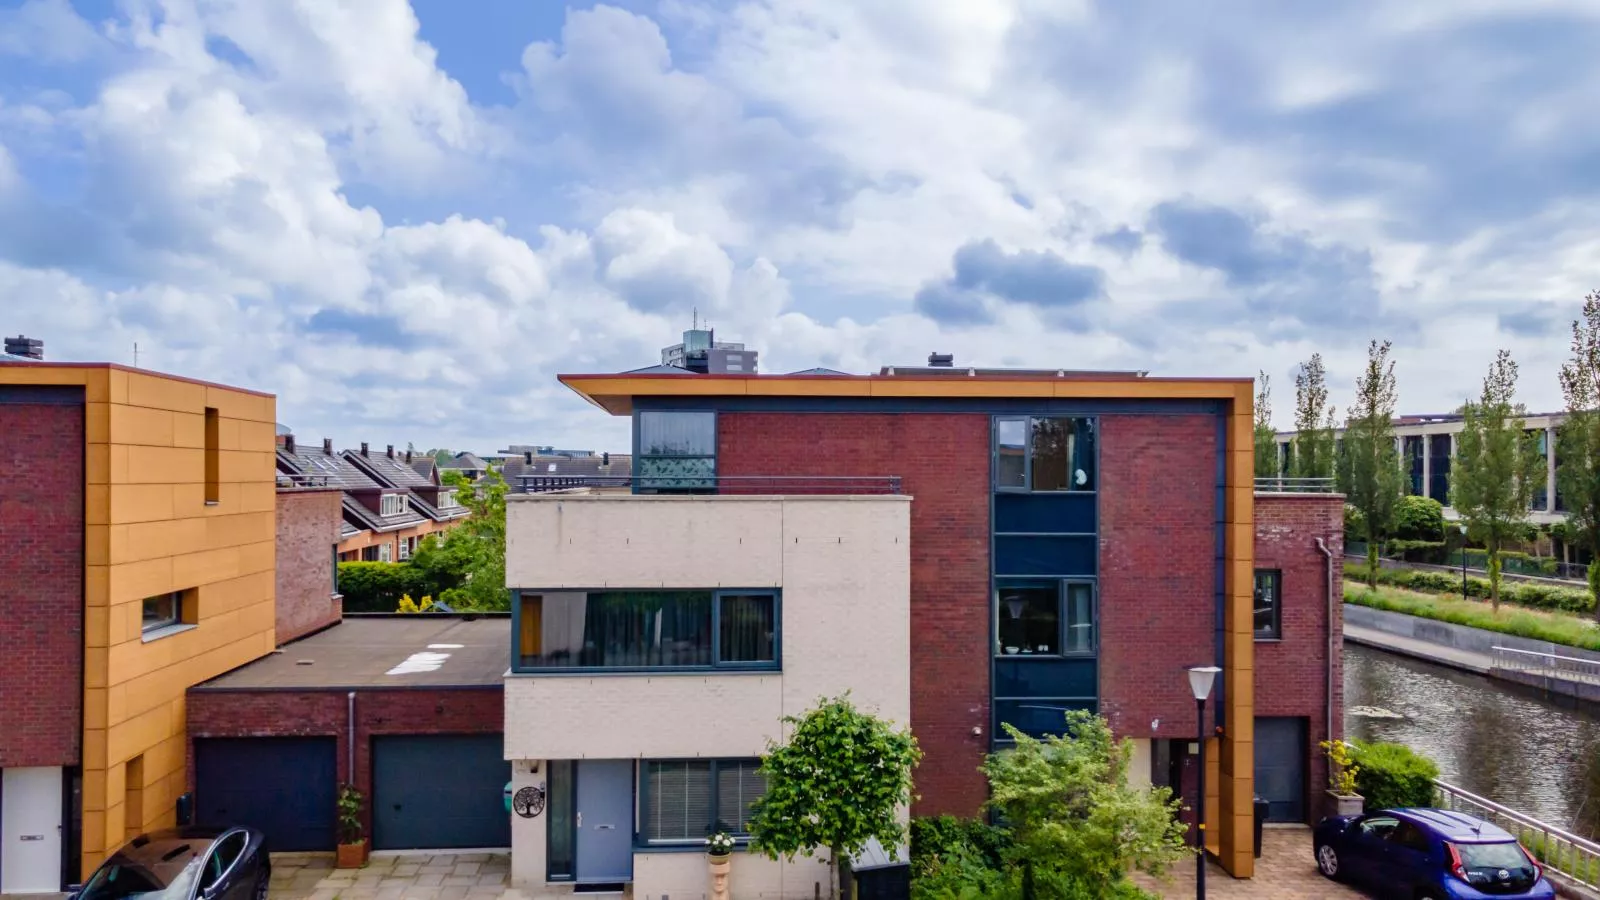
(631, 630)
(677, 451)
(162, 611)
(687, 801)
(1044, 618)
(1044, 454)
(1269, 604)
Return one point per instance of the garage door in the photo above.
(1281, 767)
(439, 791)
(283, 786)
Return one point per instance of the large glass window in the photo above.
(1269, 604)
(647, 630)
(677, 451)
(1044, 618)
(686, 801)
(1044, 453)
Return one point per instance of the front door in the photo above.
(30, 826)
(604, 820)
(1280, 767)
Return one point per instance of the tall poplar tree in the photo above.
(1313, 422)
(1266, 438)
(1369, 470)
(1496, 469)
(1578, 442)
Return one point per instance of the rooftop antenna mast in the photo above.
(136, 354)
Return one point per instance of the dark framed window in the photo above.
(677, 451)
(647, 629)
(162, 611)
(686, 801)
(1269, 604)
(1044, 618)
(560, 836)
(1044, 453)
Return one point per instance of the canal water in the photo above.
(1497, 740)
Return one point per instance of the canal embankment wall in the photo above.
(1473, 650)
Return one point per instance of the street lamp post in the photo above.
(1200, 681)
(1463, 527)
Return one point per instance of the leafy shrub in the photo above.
(1530, 595)
(1419, 519)
(1393, 776)
(1418, 551)
(378, 586)
(1355, 524)
(935, 838)
(1553, 627)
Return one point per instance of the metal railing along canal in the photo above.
(1559, 850)
(1547, 665)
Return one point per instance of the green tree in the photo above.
(1496, 468)
(1266, 438)
(1419, 518)
(1078, 826)
(467, 566)
(1578, 442)
(1313, 422)
(1369, 471)
(841, 780)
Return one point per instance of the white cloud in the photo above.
(47, 30)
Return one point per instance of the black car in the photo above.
(184, 864)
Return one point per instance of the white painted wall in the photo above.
(843, 565)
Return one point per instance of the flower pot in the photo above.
(1347, 804)
(352, 856)
(719, 864)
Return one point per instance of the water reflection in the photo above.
(1495, 740)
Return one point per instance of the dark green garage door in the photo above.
(439, 791)
(1281, 767)
(282, 786)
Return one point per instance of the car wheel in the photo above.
(1327, 861)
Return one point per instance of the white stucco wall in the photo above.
(843, 566)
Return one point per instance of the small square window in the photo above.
(1030, 620)
(162, 610)
(1269, 604)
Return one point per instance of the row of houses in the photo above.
(390, 501)
(963, 550)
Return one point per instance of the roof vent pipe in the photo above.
(327, 446)
(288, 443)
(527, 457)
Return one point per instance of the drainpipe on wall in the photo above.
(1328, 555)
(350, 745)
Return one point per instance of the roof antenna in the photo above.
(136, 354)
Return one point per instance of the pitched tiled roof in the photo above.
(334, 468)
(517, 467)
(390, 471)
(464, 460)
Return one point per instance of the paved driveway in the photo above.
(407, 876)
(1285, 871)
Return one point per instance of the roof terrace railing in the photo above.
(718, 484)
(302, 481)
(1286, 485)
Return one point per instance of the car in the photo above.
(184, 864)
(1428, 854)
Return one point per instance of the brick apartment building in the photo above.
(1054, 540)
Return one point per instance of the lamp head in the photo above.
(1200, 680)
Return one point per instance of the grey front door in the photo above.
(1281, 767)
(604, 820)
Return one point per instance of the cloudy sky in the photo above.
(404, 220)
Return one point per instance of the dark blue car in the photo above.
(1428, 853)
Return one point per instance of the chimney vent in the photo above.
(941, 360)
(363, 448)
(391, 451)
(327, 446)
(527, 457)
(408, 457)
(288, 442)
(22, 345)
(605, 458)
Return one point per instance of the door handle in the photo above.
(605, 828)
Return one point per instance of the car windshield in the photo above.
(1492, 856)
(166, 874)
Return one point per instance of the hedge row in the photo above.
(378, 586)
(1393, 776)
(1533, 596)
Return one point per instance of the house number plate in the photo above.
(33, 837)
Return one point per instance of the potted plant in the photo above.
(352, 840)
(719, 847)
(1342, 771)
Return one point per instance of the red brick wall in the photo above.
(1291, 674)
(1158, 516)
(943, 460)
(308, 527)
(325, 713)
(41, 563)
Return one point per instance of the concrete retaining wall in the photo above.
(1459, 637)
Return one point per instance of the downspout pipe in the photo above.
(350, 741)
(1328, 557)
